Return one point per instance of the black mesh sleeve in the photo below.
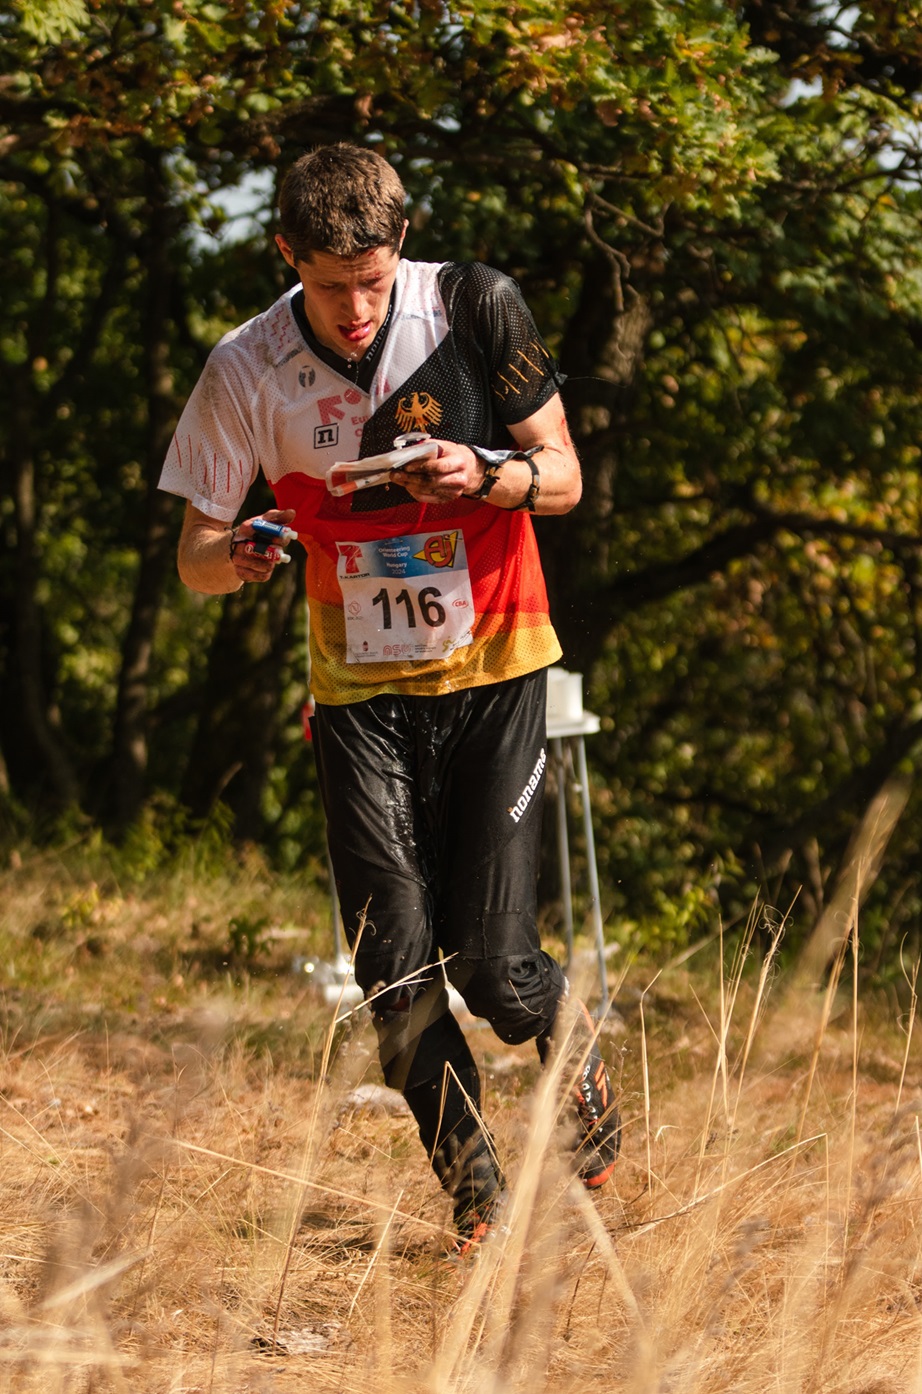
(522, 372)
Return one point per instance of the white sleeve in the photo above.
(212, 459)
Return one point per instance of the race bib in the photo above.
(405, 598)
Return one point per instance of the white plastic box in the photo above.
(564, 696)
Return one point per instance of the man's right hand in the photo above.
(205, 560)
(248, 563)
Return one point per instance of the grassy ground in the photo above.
(204, 1188)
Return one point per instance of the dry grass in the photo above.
(195, 1197)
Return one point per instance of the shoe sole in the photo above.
(593, 1182)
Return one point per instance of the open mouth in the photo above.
(355, 333)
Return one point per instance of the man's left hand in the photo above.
(456, 470)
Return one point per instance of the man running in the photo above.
(430, 631)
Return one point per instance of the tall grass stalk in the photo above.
(728, 992)
(853, 1113)
(828, 1000)
(296, 1204)
(911, 978)
(755, 1016)
(645, 1067)
(487, 1332)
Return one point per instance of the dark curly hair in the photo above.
(342, 199)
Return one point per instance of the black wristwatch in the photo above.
(494, 461)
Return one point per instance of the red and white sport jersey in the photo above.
(404, 597)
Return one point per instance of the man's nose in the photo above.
(357, 300)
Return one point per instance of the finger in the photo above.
(269, 515)
(259, 556)
(251, 565)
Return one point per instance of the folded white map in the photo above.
(345, 476)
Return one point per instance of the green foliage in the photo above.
(713, 211)
(79, 909)
(51, 21)
(166, 838)
(248, 938)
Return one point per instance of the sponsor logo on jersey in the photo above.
(351, 552)
(332, 411)
(418, 412)
(439, 550)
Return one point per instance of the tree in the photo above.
(713, 210)
(97, 102)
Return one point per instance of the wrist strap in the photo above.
(494, 461)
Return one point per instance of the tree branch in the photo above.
(662, 579)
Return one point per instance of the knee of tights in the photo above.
(518, 994)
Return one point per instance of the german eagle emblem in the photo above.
(418, 412)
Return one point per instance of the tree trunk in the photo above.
(602, 354)
(130, 740)
(234, 745)
(39, 765)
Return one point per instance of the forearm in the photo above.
(204, 557)
(549, 480)
(216, 559)
(560, 484)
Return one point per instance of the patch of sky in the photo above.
(245, 210)
(839, 21)
(842, 18)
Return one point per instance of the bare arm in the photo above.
(457, 470)
(204, 558)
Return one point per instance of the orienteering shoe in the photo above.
(477, 1187)
(598, 1119)
(476, 1227)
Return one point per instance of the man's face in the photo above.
(346, 298)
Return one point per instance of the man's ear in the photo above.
(285, 249)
